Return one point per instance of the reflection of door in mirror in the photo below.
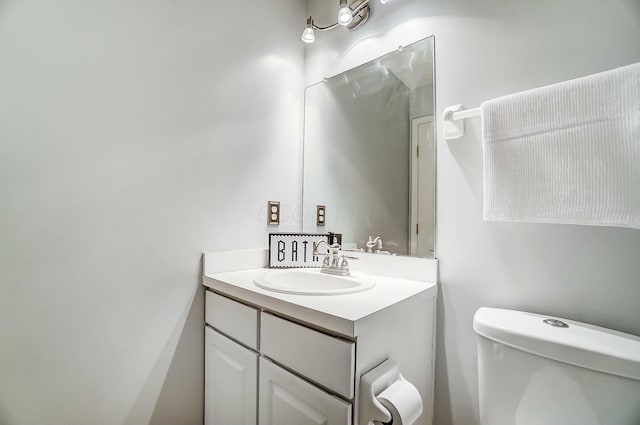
(422, 182)
(358, 154)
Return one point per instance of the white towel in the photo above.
(566, 153)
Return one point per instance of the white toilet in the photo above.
(536, 370)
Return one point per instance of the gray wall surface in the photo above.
(485, 50)
(134, 135)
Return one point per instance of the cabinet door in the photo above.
(231, 380)
(288, 399)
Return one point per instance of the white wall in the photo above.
(483, 50)
(134, 136)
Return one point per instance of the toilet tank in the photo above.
(536, 373)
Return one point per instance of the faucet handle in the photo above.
(344, 264)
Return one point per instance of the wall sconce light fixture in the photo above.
(351, 16)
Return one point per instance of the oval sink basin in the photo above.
(312, 282)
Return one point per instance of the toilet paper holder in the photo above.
(372, 384)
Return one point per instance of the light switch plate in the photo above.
(273, 213)
(321, 218)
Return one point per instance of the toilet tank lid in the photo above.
(580, 344)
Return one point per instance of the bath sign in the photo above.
(295, 249)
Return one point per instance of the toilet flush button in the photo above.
(556, 323)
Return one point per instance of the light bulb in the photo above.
(384, 1)
(308, 35)
(344, 16)
(344, 13)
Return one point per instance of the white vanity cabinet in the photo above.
(282, 359)
(245, 387)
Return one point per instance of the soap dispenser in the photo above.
(335, 238)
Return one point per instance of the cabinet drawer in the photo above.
(237, 320)
(322, 358)
(287, 399)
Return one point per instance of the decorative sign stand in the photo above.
(287, 250)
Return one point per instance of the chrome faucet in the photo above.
(334, 261)
(373, 242)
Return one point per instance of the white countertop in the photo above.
(337, 313)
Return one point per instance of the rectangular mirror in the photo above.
(369, 154)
